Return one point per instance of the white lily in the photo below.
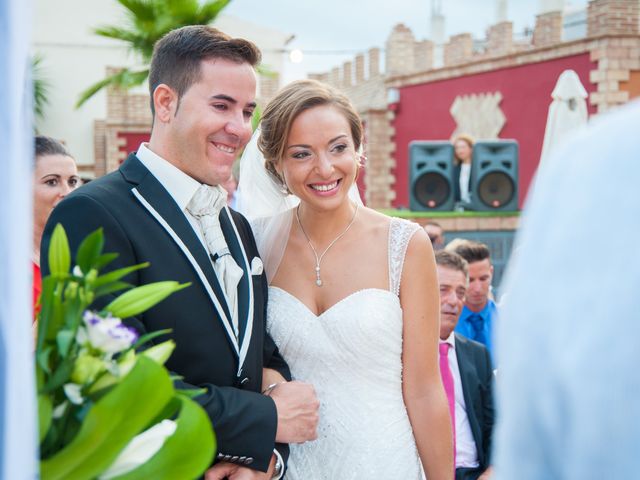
(140, 449)
(72, 391)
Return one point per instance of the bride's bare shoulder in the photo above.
(375, 223)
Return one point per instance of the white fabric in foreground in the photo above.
(18, 413)
(568, 385)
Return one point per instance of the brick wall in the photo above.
(548, 29)
(613, 17)
(400, 55)
(458, 50)
(500, 39)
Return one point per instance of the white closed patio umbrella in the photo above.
(567, 112)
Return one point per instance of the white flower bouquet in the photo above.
(107, 406)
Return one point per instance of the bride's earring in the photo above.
(283, 181)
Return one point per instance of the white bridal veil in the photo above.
(269, 209)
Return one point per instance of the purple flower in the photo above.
(107, 334)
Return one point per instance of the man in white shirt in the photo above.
(569, 351)
(467, 375)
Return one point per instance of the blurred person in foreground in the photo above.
(569, 387)
(465, 366)
(55, 175)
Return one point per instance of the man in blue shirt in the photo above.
(479, 312)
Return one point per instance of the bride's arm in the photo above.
(422, 386)
(270, 377)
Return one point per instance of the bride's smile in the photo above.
(319, 165)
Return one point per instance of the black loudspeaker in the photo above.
(431, 176)
(494, 176)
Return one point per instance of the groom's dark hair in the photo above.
(177, 56)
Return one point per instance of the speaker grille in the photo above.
(496, 189)
(431, 189)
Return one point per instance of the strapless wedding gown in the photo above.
(352, 354)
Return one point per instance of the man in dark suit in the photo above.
(467, 375)
(164, 206)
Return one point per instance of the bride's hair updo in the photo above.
(285, 107)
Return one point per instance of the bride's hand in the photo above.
(269, 377)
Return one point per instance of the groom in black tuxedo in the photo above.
(164, 206)
(466, 364)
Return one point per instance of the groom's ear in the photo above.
(165, 102)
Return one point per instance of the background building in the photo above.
(103, 130)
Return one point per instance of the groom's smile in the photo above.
(212, 120)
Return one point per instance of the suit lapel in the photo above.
(155, 198)
(469, 388)
(245, 285)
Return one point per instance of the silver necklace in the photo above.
(315, 253)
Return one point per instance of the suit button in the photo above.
(248, 461)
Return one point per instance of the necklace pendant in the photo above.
(318, 282)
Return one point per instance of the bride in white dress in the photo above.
(353, 301)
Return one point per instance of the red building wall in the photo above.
(132, 141)
(423, 111)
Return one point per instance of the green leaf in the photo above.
(116, 275)
(59, 256)
(142, 298)
(89, 250)
(126, 362)
(104, 260)
(111, 423)
(111, 288)
(60, 376)
(73, 308)
(45, 411)
(160, 353)
(64, 339)
(42, 357)
(192, 392)
(51, 317)
(185, 454)
(123, 79)
(150, 336)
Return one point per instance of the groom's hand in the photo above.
(297, 407)
(231, 471)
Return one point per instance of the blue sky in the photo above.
(355, 25)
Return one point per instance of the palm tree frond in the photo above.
(123, 79)
(210, 10)
(41, 86)
(118, 33)
(140, 9)
(147, 22)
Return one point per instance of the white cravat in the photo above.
(205, 206)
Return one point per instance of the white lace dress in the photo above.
(352, 355)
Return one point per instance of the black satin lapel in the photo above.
(158, 197)
(237, 252)
(469, 387)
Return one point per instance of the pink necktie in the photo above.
(447, 380)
